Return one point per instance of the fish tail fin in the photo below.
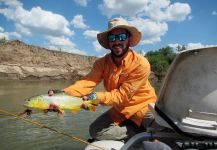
(27, 112)
(22, 114)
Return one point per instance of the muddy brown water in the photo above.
(19, 135)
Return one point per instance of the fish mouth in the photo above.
(26, 104)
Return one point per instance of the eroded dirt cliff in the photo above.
(21, 61)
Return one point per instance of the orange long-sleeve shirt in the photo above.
(128, 90)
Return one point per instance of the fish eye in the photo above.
(30, 98)
(27, 99)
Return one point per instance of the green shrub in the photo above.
(160, 60)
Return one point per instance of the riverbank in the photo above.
(19, 61)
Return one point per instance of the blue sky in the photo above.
(72, 25)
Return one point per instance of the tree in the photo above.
(3, 40)
(160, 60)
(180, 48)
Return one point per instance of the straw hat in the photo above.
(119, 23)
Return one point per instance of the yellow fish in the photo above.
(56, 103)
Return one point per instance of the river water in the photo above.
(20, 135)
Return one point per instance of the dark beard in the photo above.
(124, 52)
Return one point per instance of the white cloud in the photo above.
(149, 16)
(1, 29)
(90, 34)
(194, 45)
(128, 8)
(11, 3)
(174, 45)
(82, 2)
(159, 10)
(78, 22)
(177, 47)
(143, 53)
(53, 27)
(173, 12)
(23, 30)
(37, 21)
(151, 30)
(176, 12)
(8, 35)
(98, 48)
(214, 13)
(14, 35)
(63, 44)
(197, 45)
(190, 45)
(3, 36)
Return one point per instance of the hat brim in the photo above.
(135, 36)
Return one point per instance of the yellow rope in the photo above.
(52, 129)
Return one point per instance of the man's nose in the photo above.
(117, 40)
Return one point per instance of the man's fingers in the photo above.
(84, 107)
(85, 98)
(50, 93)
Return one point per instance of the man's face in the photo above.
(118, 42)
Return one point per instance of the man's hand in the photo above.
(51, 92)
(91, 96)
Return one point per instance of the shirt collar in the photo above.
(127, 58)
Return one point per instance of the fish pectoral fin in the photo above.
(60, 112)
(22, 114)
(92, 107)
(76, 109)
(45, 111)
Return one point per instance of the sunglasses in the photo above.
(121, 37)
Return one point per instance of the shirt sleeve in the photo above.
(87, 83)
(137, 78)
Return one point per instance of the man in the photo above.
(125, 76)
